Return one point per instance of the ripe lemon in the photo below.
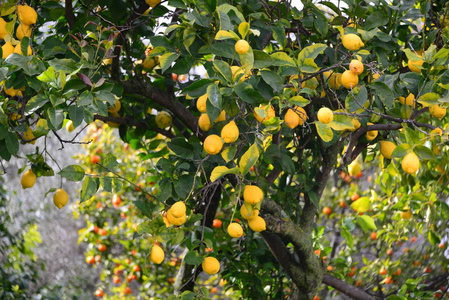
(178, 209)
(230, 132)
(410, 163)
(414, 65)
(349, 80)
(354, 168)
(7, 49)
(201, 103)
(374, 77)
(356, 67)
(116, 107)
(175, 221)
(60, 198)
(152, 3)
(372, 134)
(236, 70)
(269, 113)
(157, 255)
(23, 30)
(437, 111)
(387, 148)
(406, 215)
(241, 47)
(235, 230)
(204, 122)
(163, 119)
(333, 79)
(211, 265)
(325, 115)
(245, 213)
(18, 49)
(27, 15)
(221, 117)
(69, 126)
(410, 100)
(252, 194)
(3, 31)
(149, 63)
(295, 116)
(28, 179)
(435, 132)
(213, 144)
(257, 224)
(28, 135)
(352, 42)
(356, 124)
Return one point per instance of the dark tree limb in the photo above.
(69, 15)
(346, 288)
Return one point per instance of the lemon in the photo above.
(269, 113)
(410, 100)
(116, 107)
(245, 213)
(213, 144)
(356, 124)
(435, 132)
(352, 42)
(149, 63)
(406, 215)
(374, 77)
(241, 47)
(387, 148)
(28, 135)
(221, 116)
(18, 49)
(211, 265)
(152, 3)
(163, 119)
(69, 126)
(295, 116)
(236, 71)
(23, 30)
(28, 179)
(334, 79)
(230, 132)
(311, 83)
(3, 31)
(372, 134)
(157, 255)
(356, 67)
(354, 168)
(204, 122)
(7, 49)
(60, 198)
(27, 15)
(201, 103)
(178, 209)
(410, 163)
(349, 80)
(415, 65)
(252, 194)
(325, 115)
(235, 230)
(175, 221)
(257, 224)
(437, 111)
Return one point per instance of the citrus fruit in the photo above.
(69, 126)
(211, 265)
(18, 49)
(349, 80)
(28, 179)
(415, 65)
(7, 49)
(60, 198)
(152, 3)
(356, 124)
(241, 47)
(28, 135)
(406, 215)
(354, 168)
(372, 134)
(178, 209)
(269, 113)
(221, 117)
(356, 67)
(410, 163)
(352, 42)
(204, 122)
(116, 107)
(245, 213)
(325, 115)
(27, 15)
(201, 103)
(236, 71)
(252, 194)
(409, 100)
(295, 116)
(387, 148)
(437, 111)
(149, 63)
(23, 30)
(235, 230)
(175, 221)
(230, 132)
(163, 119)
(257, 224)
(157, 255)
(333, 79)
(213, 144)
(3, 31)
(327, 210)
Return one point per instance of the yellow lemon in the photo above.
(349, 80)
(221, 117)
(116, 107)
(7, 49)
(437, 111)
(60, 198)
(230, 132)
(69, 126)
(241, 47)
(252, 194)
(410, 163)
(372, 134)
(387, 148)
(157, 255)
(410, 100)
(245, 213)
(356, 67)
(28, 135)
(354, 168)
(27, 15)
(178, 209)
(356, 124)
(23, 30)
(28, 179)
(435, 132)
(18, 49)
(414, 65)
(236, 70)
(152, 3)
(3, 31)
(204, 122)
(374, 77)
(325, 115)
(295, 116)
(352, 42)
(235, 230)
(269, 113)
(149, 63)
(406, 215)
(213, 144)
(257, 224)
(163, 119)
(211, 265)
(201, 103)
(333, 79)
(175, 221)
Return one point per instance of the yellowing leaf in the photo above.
(243, 29)
(324, 131)
(299, 100)
(220, 171)
(361, 205)
(229, 153)
(224, 35)
(249, 159)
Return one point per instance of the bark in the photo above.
(346, 288)
(69, 15)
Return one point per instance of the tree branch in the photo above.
(346, 288)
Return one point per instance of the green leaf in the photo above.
(434, 239)
(282, 59)
(262, 59)
(309, 66)
(56, 118)
(214, 96)
(198, 88)
(412, 55)
(181, 147)
(76, 114)
(361, 205)
(12, 143)
(109, 161)
(248, 93)
(224, 35)
(324, 131)
(105, 96)
(228, 154)
(224, 69)
(189, 36)
(400, 151)
(166, 60)
(411, 136)
(423, 152)
(72, 172)
(220, 171)
(348, 237)
(247, 59)
(299, 100)
(429, 99)
(66, 65)
(48, 76)
(249, 159)
(243, 29)
(145, 208)
(311, 52)
(273, 80)
(193, 258)
(88, 189)
(384, 93)
(361, 95)
(183, 185)
(366, 222)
